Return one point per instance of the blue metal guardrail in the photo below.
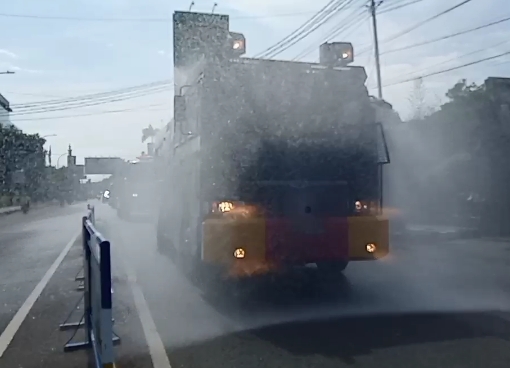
(97, 296)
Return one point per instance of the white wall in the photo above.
(4, 117)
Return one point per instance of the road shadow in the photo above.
(345, 338)
(300, 289)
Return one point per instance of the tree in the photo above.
(21, 153)
(149, 132)
(418, 101)
(465, 153)
(462, 91)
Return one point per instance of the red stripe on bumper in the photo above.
(290, 241)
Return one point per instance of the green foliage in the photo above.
(455, 129)
(460, 148)
(149, 132)
(21, 152)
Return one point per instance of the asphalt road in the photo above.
(429, 304)
(29, 244)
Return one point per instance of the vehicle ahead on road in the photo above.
(105, 196)
(25, 205)
(134, 189)
(270, 164)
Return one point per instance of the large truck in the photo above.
(268, 165)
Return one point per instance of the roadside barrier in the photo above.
(97, 297)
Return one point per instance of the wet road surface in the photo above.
(429, 304)
(29, 244)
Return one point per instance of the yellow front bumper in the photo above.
(222, 236)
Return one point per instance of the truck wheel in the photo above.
(165, 246)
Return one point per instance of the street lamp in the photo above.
(59, 157)
(49, 135)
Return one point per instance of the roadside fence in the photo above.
(96, 284)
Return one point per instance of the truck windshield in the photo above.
(337, 156)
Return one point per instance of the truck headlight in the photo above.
(370, 248)
(235, 209)
(366, 207)
(239, 253)
(225, 206)
(361, 206)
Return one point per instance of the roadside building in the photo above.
(5, 111)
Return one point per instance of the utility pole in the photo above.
(373, 11)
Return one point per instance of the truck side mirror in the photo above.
(180, 110)
(180, 113)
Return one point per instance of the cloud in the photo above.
(8, 53)
(162, 52)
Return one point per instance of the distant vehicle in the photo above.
(271, 165)
(105, 196)
(134, 189)
(25, 206)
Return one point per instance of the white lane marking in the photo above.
(13, 326)
(156, 347)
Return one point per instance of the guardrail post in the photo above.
(106, 329)
(87, 281)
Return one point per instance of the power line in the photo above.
(335, 31)
(62, 107)
(386, 10)
(30, 94)
(96, 113)
(306, 24)
(354, 19)
(447, 36)
(332, 14)
(396, 7)
(139, 20)
(421, 23)
(305, 33)
(450, 69)
(456, 58)
(94, 95)
(79, 103)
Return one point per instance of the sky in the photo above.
(64, 58)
